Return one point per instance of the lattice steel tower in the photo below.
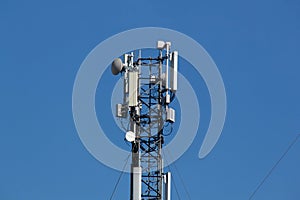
(149, 87)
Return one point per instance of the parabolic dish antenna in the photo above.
(130, 136)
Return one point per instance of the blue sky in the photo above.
(255, 45)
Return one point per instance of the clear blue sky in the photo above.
(255, 45)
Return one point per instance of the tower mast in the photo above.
(147, 95)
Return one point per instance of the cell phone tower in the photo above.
(150, 85)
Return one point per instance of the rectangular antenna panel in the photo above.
(126, 82)
(133, 89)
(121, 111)
(171, 115)
(168, 98)
(168, 186)
(137, 183)
(126, 59)
(173, 71)
(160, 45)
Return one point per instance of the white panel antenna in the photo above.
(160, 45)
(133, 88)
(173, 71)
(171, 115)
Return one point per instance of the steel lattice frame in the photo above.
(150, 126)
